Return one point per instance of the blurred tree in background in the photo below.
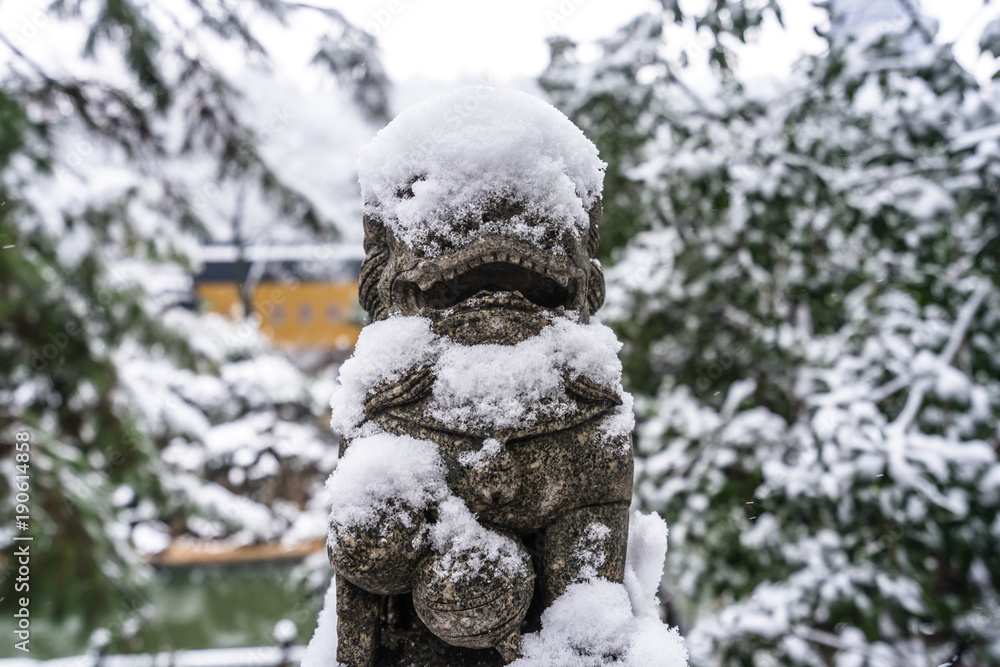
(806, 282)
(131, 404)
(805, 277)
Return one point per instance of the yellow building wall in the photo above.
(308, 314)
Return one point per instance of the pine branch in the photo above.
(915, 398)
(28, 61)
(914, 15)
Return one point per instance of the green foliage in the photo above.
(806, 288)
(75, 319)
(615, 117)
(622, 108)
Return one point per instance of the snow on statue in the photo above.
(486, 467)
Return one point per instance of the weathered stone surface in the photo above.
(381, 558)
(549, 495)
(470, 608)
(560, 487)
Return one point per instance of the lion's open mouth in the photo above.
(499, 279)
(522, 279)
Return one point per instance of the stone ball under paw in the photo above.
(381, 556)
(471, 601)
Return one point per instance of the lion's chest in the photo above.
(520, 479)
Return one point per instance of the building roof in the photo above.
(281, 263)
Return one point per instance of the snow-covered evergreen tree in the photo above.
(813, 317)
(105, 133)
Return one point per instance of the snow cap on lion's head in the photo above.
(476, 161)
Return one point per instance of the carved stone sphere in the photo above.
(382, 557)
(470, 604)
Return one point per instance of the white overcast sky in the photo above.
(446, 40)
(428, 47)
(433, 43)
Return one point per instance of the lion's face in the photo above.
(494, 289)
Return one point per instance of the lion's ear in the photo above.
(595, 287)
(595, 277)
(593, 235)
(376, 256)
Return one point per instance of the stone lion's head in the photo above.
(486, 224)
